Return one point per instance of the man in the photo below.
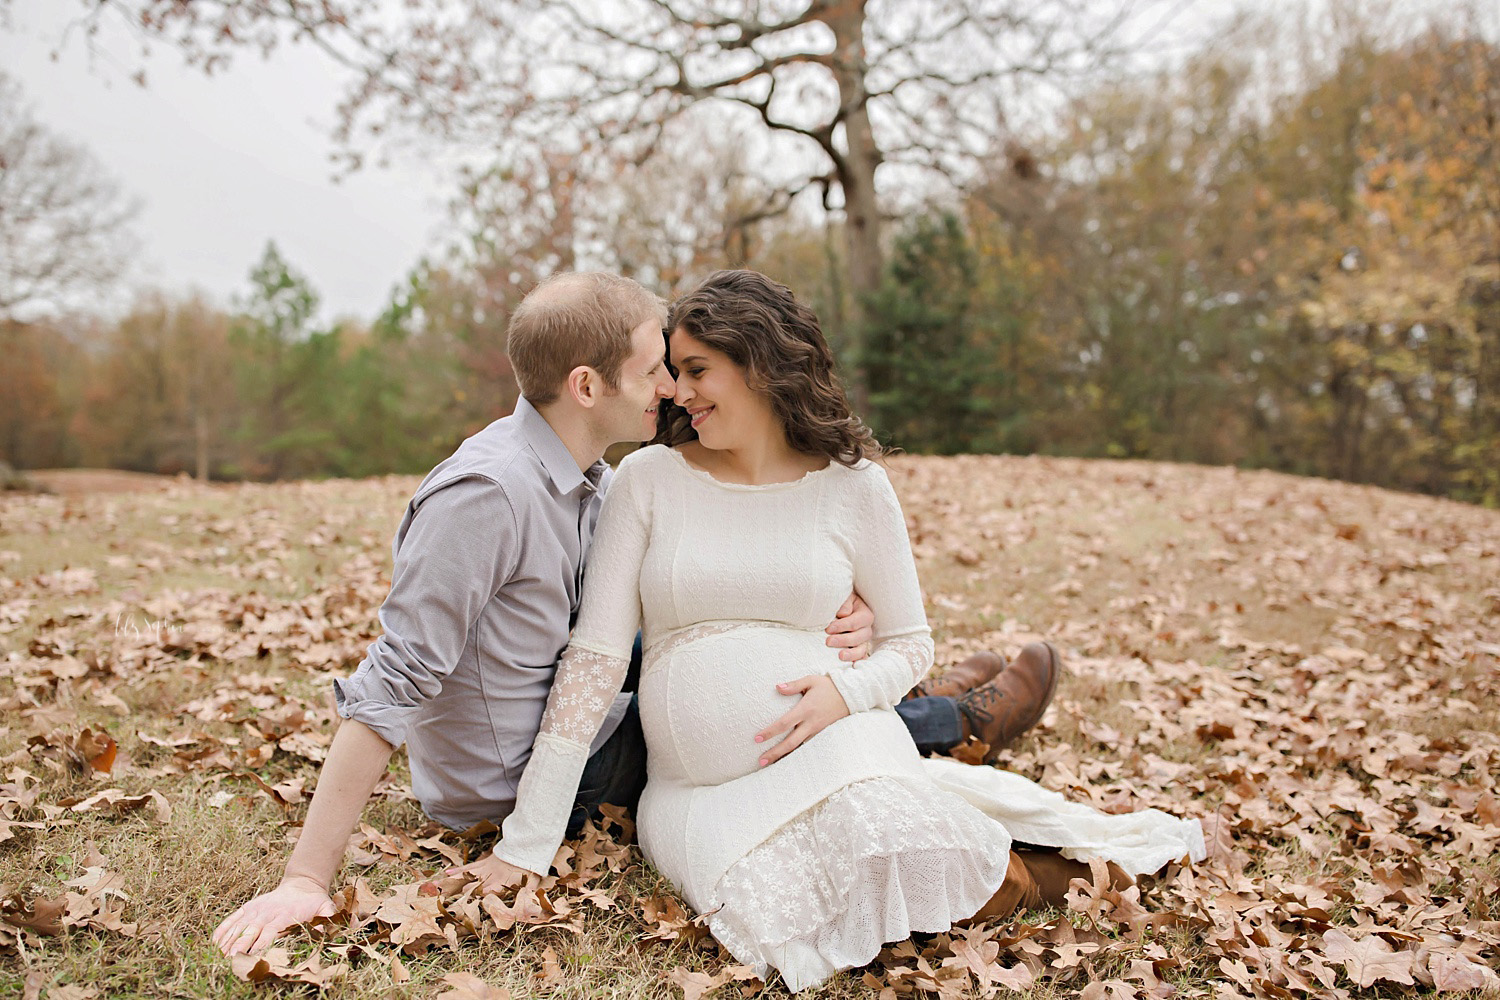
(488, 567)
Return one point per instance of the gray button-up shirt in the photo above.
(488, 566)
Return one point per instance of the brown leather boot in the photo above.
(1018, 892)
(1053, 873)
(962, 676)
(999, 711)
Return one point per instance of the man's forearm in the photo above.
(355, 762)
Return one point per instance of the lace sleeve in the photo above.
(589, 675)
(585, 685)
(885, 575)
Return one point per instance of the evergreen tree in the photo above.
(934, 376)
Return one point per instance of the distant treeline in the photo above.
(1195, 267)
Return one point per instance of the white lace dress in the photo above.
(852, 840)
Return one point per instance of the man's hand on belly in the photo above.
(820, 706)
(852, 631)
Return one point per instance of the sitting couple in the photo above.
(773, 760)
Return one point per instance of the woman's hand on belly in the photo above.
(820, 706)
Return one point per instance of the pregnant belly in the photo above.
(705, 699)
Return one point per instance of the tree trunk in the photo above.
(1484, 480)
(856, 176)
(200, 440)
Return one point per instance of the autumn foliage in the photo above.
(1279, 253)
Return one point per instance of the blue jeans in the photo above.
(616, 772)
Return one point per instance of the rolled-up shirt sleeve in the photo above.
(460, 548)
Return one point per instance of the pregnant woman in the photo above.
(730, 541)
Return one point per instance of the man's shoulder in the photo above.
(496, 454)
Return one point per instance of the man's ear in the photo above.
(583, 385)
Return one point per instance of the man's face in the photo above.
(629, 414)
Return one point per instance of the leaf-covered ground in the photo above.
(1311, 665)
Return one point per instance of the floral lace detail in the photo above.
(874, 862)
(656, 652)
(582, 691)
(915, 651)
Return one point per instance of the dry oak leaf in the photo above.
(1014, 977)
(118, 801)
(1456, 972)
(1369, 959)
(45, 916)
(524, 909)
(670, 919)
(551, 973)
(1108, 989)
(471, 987)
(695, 985)
(965, 555)
(98, 750)
(276, 964)
(72, 993)
(977, 955)
(971, 751)
(415, 918)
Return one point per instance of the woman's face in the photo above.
(725, 411)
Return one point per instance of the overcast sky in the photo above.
(222, 164)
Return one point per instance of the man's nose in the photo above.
(667, 388)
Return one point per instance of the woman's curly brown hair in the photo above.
(779, 345)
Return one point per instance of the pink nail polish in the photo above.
(762, 763)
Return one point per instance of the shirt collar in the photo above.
(554, 454)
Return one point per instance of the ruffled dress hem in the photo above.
(873, 863)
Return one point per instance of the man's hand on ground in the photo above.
(852, 632)
(493, 873)
(259, 922)
(820, 706)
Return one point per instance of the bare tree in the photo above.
(836, 89)
(63, 220)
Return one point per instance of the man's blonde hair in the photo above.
(573, 319)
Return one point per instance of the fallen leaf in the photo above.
(1369, 959)
(98, 750)
(275, 964)
(551, 973)
(1456, 972)
(695, 985)
(466, 986)
(72, 992)
(45, 916)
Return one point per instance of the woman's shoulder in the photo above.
(645, 457)
(634, 473)
(863, 474)
(865, 487)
